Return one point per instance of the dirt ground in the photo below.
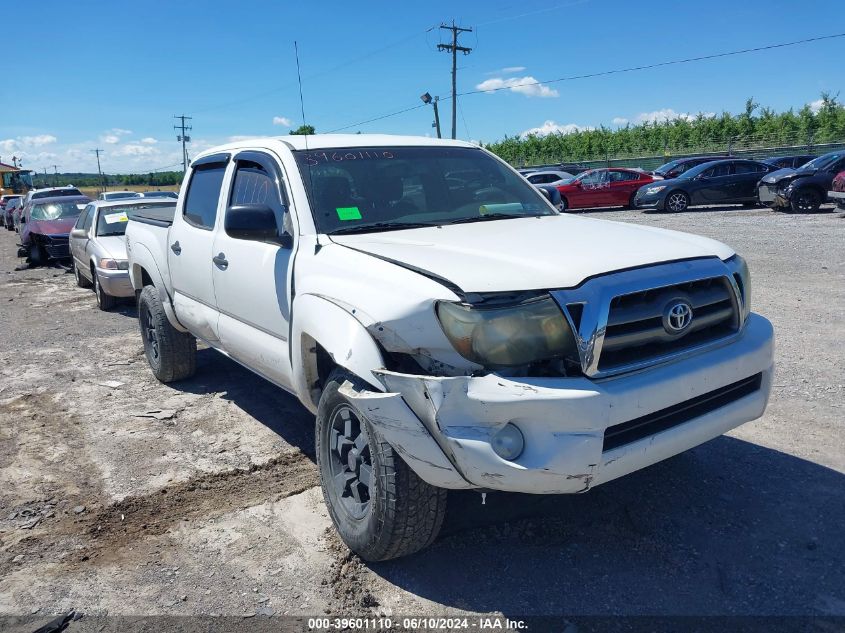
(123, 496)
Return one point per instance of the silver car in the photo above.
(98, 247)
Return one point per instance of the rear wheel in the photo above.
(676, 202)
(104, 301)
(172, 354)
(805, 200)
(564, 205)
(379, 506)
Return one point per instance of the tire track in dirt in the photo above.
(103, 533)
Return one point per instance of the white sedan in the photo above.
(548, 177)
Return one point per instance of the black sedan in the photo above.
(675, 168)
(732, 181)
(789, 162)
(804, 189)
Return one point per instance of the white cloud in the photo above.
(550, 127)
(149, 140)
(39, 140)
(282, 120)
(668, 114)
(524, 85)
(114, 135)
(619, 120)
(9, 145)
(816, 105)
(507, 70)
(135, 149)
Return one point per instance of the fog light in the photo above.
(508, 443)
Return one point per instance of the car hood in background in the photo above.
(531, 253)
(113, 245)
(62, 226)
(787, 172)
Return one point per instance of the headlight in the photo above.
(656, 189)
(739, 269)
(113, 264)
(509, 336)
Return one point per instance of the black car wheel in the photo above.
(81, 281)
(805, 200)
(564, 205)
(379, 506)
(37, 256)
(104, 301)
(172, 355)
(676, 202)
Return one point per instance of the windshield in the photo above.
(668, 166)
(161, 194)
(112, 220)
(404, 187)
(56, 210)
(823, 162)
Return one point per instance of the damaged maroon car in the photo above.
(45, 226)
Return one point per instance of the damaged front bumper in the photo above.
(578, 432)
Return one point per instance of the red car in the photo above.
(46, 225)
(837, 190)
(612, 187)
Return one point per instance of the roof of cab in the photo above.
(325, 141)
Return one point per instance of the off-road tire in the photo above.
(174, 355)
(805, 200)
(81, 281)
(404, 514)
(104, 301)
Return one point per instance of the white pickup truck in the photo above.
(448, 327)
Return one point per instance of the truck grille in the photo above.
(635, 324)
(647, 425)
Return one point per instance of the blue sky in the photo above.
(114, 73)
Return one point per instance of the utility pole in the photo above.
(97, 152)
(454, 48)
(183, 137)
(46, 182)
(56, 175)
(426, 99)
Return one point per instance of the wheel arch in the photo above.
(325, 336)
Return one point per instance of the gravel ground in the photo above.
(122, 496)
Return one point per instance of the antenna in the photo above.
(304, 123)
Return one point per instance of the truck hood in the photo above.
(62, 226)
(531, 253)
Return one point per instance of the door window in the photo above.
(89, 218)
(200, 208)
(80, 222)
(253, 184)
(748, 168)
(718, 171)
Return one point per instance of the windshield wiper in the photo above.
(381, 226)
(494, 216)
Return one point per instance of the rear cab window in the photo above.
(201, 201)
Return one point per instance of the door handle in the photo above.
(220, 261)
(175, 247)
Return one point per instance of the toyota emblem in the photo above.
(677, 317)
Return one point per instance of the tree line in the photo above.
(756, 126)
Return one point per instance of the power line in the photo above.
(454, 48)
(686, 60)
(608, 72)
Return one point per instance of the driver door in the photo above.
(252, 278)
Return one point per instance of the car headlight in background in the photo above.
(657, 189)
(113, 264)
(739, 269)
(508, 336)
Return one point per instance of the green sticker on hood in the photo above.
(348, 213)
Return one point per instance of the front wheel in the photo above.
(805, 201)
(104, 301)
(172, 354)
(676, 202)
(379, 506)
(37, 256)
(81, 281)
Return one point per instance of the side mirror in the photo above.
(78, 233)
(546, 193)
(255, 222)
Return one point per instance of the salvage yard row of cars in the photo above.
(447, 327)
(798, 184)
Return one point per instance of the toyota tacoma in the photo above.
(446, 325)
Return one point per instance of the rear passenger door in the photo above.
(622, 186)
(714, 185)
(189, 248)
(252, 277)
